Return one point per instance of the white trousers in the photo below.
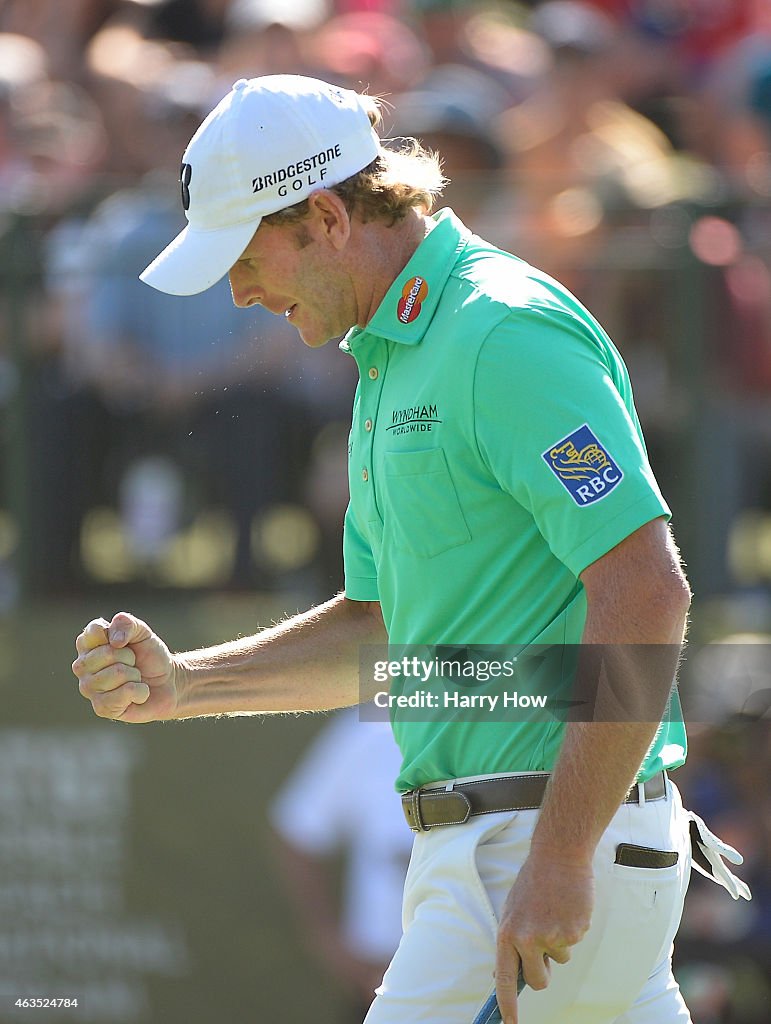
(620, 972)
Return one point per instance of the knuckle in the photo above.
(505, 976)
(97, 684)
(557, 951)
(106, 706)
(117, 674)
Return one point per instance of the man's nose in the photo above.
(243, 289)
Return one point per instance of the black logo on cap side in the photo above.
(185, 175)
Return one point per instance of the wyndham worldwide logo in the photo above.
(583, 466)
(415, 419)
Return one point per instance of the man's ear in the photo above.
(329, 219)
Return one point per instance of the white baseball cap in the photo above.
(267, 145)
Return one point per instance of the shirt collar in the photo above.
(408, 308)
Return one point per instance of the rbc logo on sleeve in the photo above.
(583, 466)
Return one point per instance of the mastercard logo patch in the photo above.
(413, 296)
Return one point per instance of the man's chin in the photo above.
(311, 340)
(316, 340)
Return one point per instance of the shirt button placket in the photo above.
(371, 398)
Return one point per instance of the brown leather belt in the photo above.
(427, 808)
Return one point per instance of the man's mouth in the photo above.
(288, 312)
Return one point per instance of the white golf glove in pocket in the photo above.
(708, 852)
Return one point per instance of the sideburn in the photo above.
(302, 236)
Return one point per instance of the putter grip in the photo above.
(490, 1012)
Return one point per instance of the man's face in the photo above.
(290, 271)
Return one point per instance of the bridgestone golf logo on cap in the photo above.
(413, 296)
(293, 172)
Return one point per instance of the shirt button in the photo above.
(373, 374)
(368, 425)
(364, 475)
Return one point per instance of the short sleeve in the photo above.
(556, 425)
(359, 564)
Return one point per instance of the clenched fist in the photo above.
(126, 670)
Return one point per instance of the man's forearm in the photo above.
(629, 657)
(596, 767)
(307, 663)
(630, 685)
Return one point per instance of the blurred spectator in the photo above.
(442, 23)
(725, 953)
(193, 385)
(263, 37)
(495, 41)
(369, 50)
(699, 29)
(60, 136)
(23, 62)
(23, 65)
(61, 27)
(453, 112)
(52, 137)
(300, 15)
(142, 83)
(151, 394)
(199, 23)
(340, 801)
(578, 152)
(736, 98)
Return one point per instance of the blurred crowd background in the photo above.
(186, 448)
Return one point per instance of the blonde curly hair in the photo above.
(400, 177)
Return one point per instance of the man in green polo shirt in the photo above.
(489, 413)
(501, 504)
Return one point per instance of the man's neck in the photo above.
(384, 252)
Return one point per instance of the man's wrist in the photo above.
(182, 674)
(564, 851)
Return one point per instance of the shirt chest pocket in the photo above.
(422, 512)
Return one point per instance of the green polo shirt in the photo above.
(495, 453)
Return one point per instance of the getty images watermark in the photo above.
(413, 668)
(426, 683)
(706, 683)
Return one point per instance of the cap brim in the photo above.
(196, 260)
